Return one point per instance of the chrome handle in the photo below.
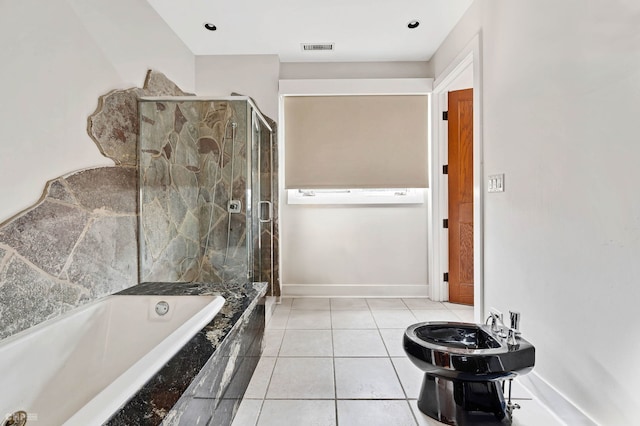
(269, 211)
(514, 320)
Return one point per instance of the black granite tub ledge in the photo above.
(203, 384)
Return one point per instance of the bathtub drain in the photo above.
(162, 308)
(19, 418)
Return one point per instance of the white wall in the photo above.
(59, 56)
(311, 70)
(561, 96)
(355, 245)
(251, 75)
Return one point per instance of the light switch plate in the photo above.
(496, 183)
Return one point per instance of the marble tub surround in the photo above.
(76, 244)
(212, 370)
(215, 394)
(115, 123)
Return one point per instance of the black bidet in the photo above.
(465, 366)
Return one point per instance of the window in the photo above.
(356, 196)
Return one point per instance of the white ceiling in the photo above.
(362, 30)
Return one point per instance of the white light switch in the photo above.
(496, 183)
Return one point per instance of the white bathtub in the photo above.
(80, 368)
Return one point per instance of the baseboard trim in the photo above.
(565, 410)
(355, 290)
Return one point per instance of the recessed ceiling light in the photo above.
(413, 24)
(210, 26)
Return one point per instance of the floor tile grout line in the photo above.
(335, 375)
(259, 412)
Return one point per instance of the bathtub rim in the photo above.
(109, 400)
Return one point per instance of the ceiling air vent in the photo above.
(317, 46)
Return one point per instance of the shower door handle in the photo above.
(269, 211)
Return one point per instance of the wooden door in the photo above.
(461, 196)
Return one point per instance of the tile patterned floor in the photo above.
(330, 362)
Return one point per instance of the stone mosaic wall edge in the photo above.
(76, 244)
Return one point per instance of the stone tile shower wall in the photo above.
(187, 156)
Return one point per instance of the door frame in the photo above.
(468, 59)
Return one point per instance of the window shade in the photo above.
(356, 141)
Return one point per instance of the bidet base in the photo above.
(462, 402)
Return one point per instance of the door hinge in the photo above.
(446, 277)
(445, 115)
(445, 169)
(445, 223)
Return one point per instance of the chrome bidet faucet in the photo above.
(496, 323)
(514, 321)
(514, 327)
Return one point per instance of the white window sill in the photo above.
(356, 196)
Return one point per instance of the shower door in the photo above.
(262, 200)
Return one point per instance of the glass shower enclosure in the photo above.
(206, 191)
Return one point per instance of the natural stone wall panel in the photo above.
(114, 125)
(59, 268)
(240, 190)
(178, 260)
(186, 150)
(112, 189)
(212, 226)
(156, 174)
(157, 84)
(104, 260)
(58, 190)
(177, 208)
(190, 228)
(215, 114)
(180, 254)
(185, 182)
(156, 227)
(46, 234)
(4, 257)
(72, 295)
(208, 145)
(27, 297)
